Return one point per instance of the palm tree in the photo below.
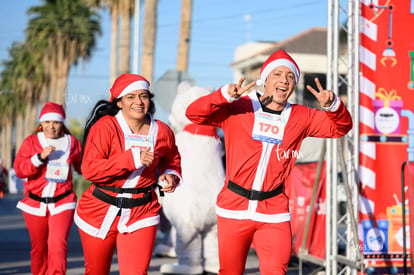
(60, 33)
(113, 65)
(70, 28)
(9, 103)
(120, 50)
(7, 107)
(6, 123)
(22, 77)
(185, 33)
(122, 9)
(126, 8)
(149, 39)
(19, 83)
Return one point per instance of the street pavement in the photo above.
(15, 247)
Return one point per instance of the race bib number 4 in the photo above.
(57, 171)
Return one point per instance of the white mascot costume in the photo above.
(191, 208)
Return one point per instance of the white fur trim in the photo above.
(63, 207)
(137, 85)
(106, 224)
(224, 91)
(274, 64)
(37, 211)
(147, 222)
(85, 227)
(334, 106)
(36, 162)
(52, 117)
(136, 154)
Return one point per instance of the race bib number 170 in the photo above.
(268, 128)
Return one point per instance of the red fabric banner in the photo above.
(386, 95)
(299, 188)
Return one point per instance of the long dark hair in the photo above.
(101, 109)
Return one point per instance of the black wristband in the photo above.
(39, 157)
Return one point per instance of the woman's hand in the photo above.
(47, 151)
(170, 182)
(147, 157)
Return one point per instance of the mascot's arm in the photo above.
(211, 109)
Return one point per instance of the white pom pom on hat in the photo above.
(52, 112)
(127, 83)
(278, 58)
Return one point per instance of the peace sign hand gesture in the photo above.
(325, 97)
(236, 90)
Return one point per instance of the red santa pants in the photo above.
(134, 251)
(272, 242)
(48, 238)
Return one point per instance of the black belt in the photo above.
(122, 202)
(254, 195)
(49, 199)
(124, 190)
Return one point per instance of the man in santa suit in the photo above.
(262, 135)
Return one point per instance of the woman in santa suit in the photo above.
(45, 159)
(125, 149)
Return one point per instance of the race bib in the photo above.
(137, 141)
(57, 171)
(268, 128)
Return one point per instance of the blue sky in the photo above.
(218, 27)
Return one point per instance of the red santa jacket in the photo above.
(107, 163)
(28, 167)
(259, 165)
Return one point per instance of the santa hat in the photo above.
(52, 112)
(278, 58)
(127, 83)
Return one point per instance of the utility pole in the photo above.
(185, 32)
(137, 25)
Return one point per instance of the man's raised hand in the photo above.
(325, 97)
(236, 90)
